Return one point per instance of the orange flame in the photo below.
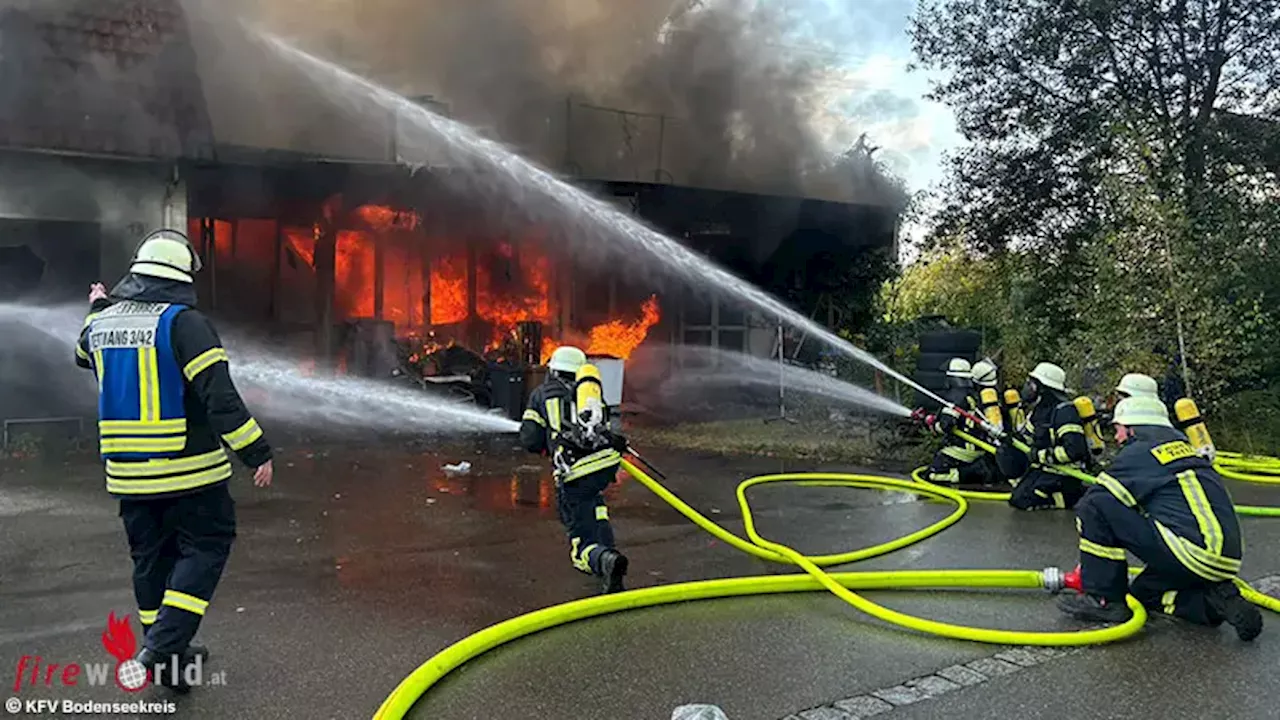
(118, 638)
(448, 289)
(617, 338)
(620, 338)
(512, 283)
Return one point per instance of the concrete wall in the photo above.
(83, 217)
(126, 199)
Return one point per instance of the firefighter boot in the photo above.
(161, 671)
(160, 667)
(613, 565)
(1093, 608)
(196, 650)
(1225, 600)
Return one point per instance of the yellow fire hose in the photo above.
(433, 670)
(1257, 463)
(1248, 468)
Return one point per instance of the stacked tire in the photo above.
(937, 347)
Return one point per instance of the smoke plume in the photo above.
(714, 95)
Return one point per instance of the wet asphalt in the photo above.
(363, 560)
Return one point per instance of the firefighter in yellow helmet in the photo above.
(1166, 505)
(1056, 439)
(168, 413)
(959, 462)
(584, 461)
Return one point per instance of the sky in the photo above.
(871, 90)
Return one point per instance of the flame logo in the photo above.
(119, 639)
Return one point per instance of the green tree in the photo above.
(1119, 174)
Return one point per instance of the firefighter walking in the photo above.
(166, 409)
(584, 464)
(1165, 504)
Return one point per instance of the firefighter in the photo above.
(1056, 438)
(581, 473)
(959, 462)
(985, 379)
(1166, 505)
(168, 412)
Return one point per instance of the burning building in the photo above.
(118, 116)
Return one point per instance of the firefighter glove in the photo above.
(620, 442)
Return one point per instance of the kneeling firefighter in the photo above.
(1057, 438)
(959, 462)
(167, 414)
(986, 380)
(1165, 504)
(568, 421)
(1189, 420)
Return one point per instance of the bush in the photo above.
(1248, 422)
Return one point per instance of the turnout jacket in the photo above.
(1056, 433)
(543, 431)
(948, 420)
(167, 405)
(1160, 474)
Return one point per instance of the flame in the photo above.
(512, 283)
(449, 289)
(383, 219)
(617, 338)
(118, 638)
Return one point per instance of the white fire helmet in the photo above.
(1138, 385)
(958, 368)
(1051, 376)
(984, 373)
(166, 254)
(567, 359)
(1140, 410)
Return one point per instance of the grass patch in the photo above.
(805, 440)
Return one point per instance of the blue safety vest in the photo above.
(140, 384)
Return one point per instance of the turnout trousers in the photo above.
(586, 518)
(179, 547)
(947, 470)
(1107, 529)
(1044, 490)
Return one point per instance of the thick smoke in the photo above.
(736, 98)
(101, 76)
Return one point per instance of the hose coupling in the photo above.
(1054, 580)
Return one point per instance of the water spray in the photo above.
(292, 396)
(753, 370)
(524, 176)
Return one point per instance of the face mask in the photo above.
(1030, 392)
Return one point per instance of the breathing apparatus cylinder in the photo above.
(1190, 422)
(989, 400)
(1089, 421)
(588, 406)
(1013, 401)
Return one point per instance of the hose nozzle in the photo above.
(1054, 579)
